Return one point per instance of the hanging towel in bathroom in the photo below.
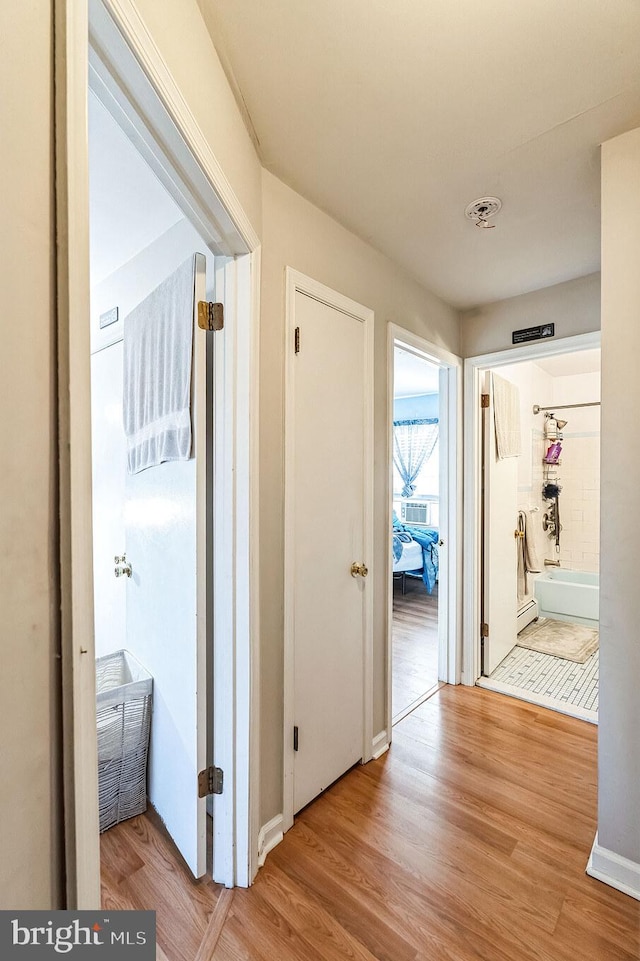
(506, 414)
(528, 557)
(158, 339)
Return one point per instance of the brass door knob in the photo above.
(359, 570)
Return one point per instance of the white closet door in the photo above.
(330, 503)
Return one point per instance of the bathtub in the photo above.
(568, 596)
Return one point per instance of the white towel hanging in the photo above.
(158, 343)
(506, 414)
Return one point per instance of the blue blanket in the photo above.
(398, 540)
(427, 538)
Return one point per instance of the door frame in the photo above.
(474, 367)
(299, 283)
(235, 661)
(450, 526)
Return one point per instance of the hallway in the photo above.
(468, 841)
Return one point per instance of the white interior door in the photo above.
(166, 618)
(500, 550)
(108, 456)
(330, 498)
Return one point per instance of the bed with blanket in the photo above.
(415, 552)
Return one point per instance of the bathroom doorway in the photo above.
(538, 457)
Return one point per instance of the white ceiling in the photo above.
(128, 206)
(413, 375)
(564, 365)
(393, 117)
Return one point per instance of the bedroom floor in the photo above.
(553, 682)
(415, 644)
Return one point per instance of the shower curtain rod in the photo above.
(537, 408)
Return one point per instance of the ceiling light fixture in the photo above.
(481, 210)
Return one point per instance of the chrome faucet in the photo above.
(548, 563)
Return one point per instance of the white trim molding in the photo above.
(379, 745)
(80, 761)
(613, 869)
(269, 836)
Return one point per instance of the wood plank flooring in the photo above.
(415, 643)
(467, 841)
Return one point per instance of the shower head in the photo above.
(561, 424)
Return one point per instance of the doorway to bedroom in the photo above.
(415, 537)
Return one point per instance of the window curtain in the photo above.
(413, 444)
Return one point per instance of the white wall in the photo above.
(619, 743)
(574, 308)
(297, 234)
(30, 789)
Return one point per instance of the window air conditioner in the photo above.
(415, 512)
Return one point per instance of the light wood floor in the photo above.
(415, 643)
(467, 841)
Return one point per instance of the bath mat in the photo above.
(574, 642)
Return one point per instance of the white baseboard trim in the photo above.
(269, 836)
(379, 745)
(614, 870)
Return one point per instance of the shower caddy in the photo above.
(551, 461)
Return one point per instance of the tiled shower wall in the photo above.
(579, 473)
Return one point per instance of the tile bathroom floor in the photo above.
(550, 681)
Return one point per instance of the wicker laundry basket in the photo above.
(123, 715)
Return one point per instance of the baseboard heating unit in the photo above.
(527, 613)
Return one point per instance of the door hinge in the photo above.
(296, 340)
(484, 630)
(484, 401)
(210, 781)
(210, 315)
(295, 738)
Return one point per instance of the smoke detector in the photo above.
(480, 211)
